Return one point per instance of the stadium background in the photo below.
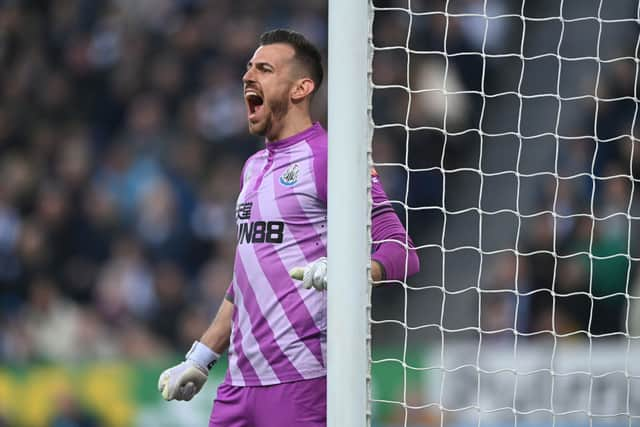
(122, 133)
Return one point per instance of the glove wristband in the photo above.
(202, 355)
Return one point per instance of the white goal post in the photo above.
(348, 207)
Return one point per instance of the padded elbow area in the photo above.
(393, 257)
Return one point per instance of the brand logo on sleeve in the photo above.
(374, 175)
(290, 176)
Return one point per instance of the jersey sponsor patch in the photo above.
(260, 232)
(290, 176)
(243, 210)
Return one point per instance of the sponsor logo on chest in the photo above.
(257, 231)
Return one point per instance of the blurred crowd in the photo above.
(122, 133)
(574, 220)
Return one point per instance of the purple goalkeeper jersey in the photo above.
(279, 328)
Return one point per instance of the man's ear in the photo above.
(303, 88)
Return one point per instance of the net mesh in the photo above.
(504, 133)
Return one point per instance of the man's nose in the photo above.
(248, 76)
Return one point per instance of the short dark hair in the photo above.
(305, 52)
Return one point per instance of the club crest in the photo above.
(290, 176)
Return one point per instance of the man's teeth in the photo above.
(253, 98)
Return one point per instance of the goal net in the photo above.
(504, 132)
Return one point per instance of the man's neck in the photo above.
(292, 124)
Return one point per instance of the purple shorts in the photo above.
(295, 404)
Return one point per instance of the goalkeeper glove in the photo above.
(184, 380)
(314, 274)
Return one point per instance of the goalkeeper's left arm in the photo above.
(391, 257)
(186, 379)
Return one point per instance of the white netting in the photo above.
(504, 133)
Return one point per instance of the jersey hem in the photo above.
(256, 382)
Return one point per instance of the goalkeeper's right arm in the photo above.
(184, 380)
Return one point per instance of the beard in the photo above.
(278, 109)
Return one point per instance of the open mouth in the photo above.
(254, 102)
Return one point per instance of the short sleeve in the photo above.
(229, 295)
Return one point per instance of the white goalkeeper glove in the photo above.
(314, 274)
(184, 380)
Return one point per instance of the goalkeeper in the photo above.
(273, 328)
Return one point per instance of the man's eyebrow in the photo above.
(260, 64)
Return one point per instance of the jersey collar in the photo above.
(305, 135)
